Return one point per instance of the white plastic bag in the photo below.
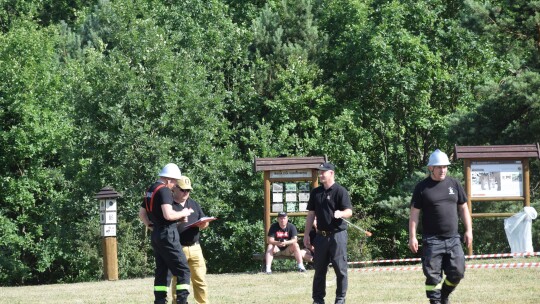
(518, 230)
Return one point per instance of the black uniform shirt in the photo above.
(324, 202)
(161, 197)
(439, 202)
(189, 235)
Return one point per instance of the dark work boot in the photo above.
(181, 301)
(446, 290)
(431, 301)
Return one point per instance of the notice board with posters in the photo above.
(496, 178)
(287, 184)
(497, 173)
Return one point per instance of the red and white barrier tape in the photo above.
(478, 256)
(504, 265)
(474, 266)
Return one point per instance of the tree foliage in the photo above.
(104, 93)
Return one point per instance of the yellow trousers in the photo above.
(197, 267)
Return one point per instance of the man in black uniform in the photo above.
(440, 198)
(189, 238)
(157, 214)
(330, 203)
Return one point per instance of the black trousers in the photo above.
(442, 255)
(169, 256)
(330, 249)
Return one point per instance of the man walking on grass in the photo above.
(440, 199)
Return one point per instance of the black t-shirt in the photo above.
(324, 202)
(439, 202)
(189, 235)
(282, 234)
(161, 197)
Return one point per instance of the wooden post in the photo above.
(108, 219)
(526, 181)
(110, 258)
(468, 185)
(267, 206)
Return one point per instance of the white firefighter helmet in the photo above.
(438, 158)
(171, 170)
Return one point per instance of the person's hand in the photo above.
(413, 244)
(150, 227)
(307, 241)
(202, 225)
(467, 238)
(187, 212)
(337, 214)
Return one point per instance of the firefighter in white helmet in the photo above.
(157, 214)
(441, 200)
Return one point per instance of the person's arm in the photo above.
(413, 224)
(144, 218)
(293, 240)
(467, 223)
(347, 213)
(309, 223)
(272, 241)
(170, 215)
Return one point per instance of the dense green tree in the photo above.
(285, 48)
(510, 103)
(97, 93)
(508, 106)
(11, 11)
(402, 69)
(35, 125)
(44, 13)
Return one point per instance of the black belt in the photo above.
(327, 233)
(187, 244)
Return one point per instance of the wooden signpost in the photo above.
(108, 220)
(496, 173)
(287, 183)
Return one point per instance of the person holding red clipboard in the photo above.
(189, 238)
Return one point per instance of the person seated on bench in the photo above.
(283, 241)
(309, 253)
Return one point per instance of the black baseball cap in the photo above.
(327, 167)
(282, 214)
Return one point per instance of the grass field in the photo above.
(520, 285)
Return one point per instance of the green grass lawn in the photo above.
(519, 285)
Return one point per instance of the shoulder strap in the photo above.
(150, 204)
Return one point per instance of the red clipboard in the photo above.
(205, 219)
